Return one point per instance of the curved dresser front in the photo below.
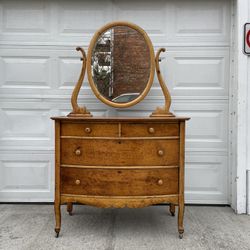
(118, 162)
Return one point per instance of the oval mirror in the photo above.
(120, 64)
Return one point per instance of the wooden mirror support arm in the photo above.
(165, 110)
(77, 110)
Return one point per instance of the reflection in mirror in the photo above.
(121, 64)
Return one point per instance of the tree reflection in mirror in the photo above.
(120, 64)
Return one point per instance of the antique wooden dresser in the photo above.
(119, 161)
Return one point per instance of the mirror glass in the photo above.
(120, 64)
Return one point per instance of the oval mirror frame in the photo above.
(152, 64)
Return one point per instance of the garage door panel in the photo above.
(196, 72)
(171, 22)
(32, 72)
(39, 68)
(22, 69)
(206, 130)
(52, 71)
(25, 18)
(26, 173)
(29, 20)
(156, 26)
(205, 177)
(73, 15)
(206, 21)
(25, 127)
(69, 69)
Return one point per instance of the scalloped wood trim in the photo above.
(119, 201)
(77, 110)
(165, 110)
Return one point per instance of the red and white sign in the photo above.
(247, 38)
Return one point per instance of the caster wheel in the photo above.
(57, 232)
(172, 214)
(70, 213)
(180, 235)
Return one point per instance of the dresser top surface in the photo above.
(121, 119)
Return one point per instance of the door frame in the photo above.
(240, 113)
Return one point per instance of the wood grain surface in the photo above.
(120, 152)
(89, 129)
(119, 182)
(150, 129)
(120, 162)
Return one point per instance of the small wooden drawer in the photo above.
(119, 182)
(150, 129)
(89, 129)
(120, 152)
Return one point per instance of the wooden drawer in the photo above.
(130, 152)
(119, 182)
(150, 129)
(89, 129)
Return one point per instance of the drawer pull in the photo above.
(87, 130)
(77, 182)
(151, 130)
(160, 152)
(160, 182)
(78, 152)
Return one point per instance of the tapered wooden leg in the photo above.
(69, 208)
(172, 209)
(181, 180)
(57, 208)
(180, 220)
(57, 202)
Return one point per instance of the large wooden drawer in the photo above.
(89, 129)
(119, 182)
(120, 152)
(149, 129)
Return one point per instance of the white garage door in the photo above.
(39, 67)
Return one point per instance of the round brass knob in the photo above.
(160, 182)
(78, 152)
(151, 130)
(88, 130)
(77, 182)
(160, 152)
